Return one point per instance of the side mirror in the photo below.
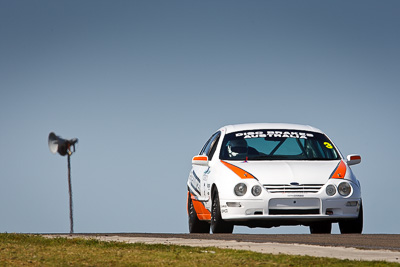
(200, 160)
(353, 159)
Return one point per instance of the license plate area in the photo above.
(294, 206)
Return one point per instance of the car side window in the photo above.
(211, 145)
(204, 147)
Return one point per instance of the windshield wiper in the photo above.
(260, 157)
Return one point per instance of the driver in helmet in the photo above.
(237, 148)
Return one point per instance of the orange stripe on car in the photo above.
(187, 203)
(203, 158)
(340, 171)
(201, 211)
(240, 172)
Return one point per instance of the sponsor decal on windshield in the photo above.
(261, 134)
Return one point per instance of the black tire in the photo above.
(353, 226)
(218, 225)
(195, 225)
(321, 228)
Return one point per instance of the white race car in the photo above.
(273, 174)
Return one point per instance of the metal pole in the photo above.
(71, 218)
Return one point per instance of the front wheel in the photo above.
(218, 225)
(352, 226)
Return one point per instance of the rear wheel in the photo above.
(321, 228)
(352, 226)
(218, 225)
(195, 225)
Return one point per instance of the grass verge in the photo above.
(34, 250)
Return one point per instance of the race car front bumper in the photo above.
(288, 210)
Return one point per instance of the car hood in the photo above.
(286, 172)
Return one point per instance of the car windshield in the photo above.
(277, 145)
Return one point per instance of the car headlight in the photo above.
(256, 190)
(330, 190)
(240, 189)
(344, 189)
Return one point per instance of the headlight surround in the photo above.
(344, 189)
(256, 190)
(240, 189)
(330, 190)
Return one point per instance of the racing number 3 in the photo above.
(328, 145)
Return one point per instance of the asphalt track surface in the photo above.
(365, 241)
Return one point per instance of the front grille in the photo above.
(287, 188)
(293, 211)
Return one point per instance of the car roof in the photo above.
(272, 126)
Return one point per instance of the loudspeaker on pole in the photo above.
(60, 145)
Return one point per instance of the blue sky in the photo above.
(143, 84)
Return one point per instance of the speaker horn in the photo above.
(60, 145)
